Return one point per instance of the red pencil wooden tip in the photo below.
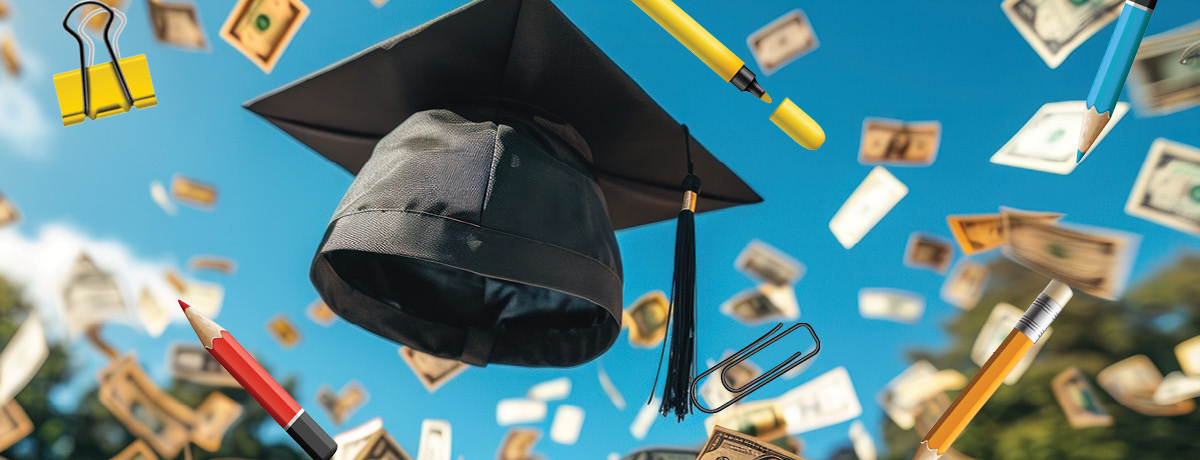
(184, 305)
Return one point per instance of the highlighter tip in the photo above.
(184, 305)
(766, 98)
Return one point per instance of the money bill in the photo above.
(647, 319)
(145, 410)
(518, 444)
(9, 214)
(379, 3)
(872, 200)
(763, 262)
(726, 444)
(262, 29)
(432, 371)
(519, 411)
(550, 390)
(435, 440)
(864, 446)
(1176, 387)
(714, 393)
(610, 389)
(568, 422)
(1133, 381)
(1089, 261)
(1054, 28)
(1050, 139)
(193, 363)
(14, 424)
(928, 251)
(154, 317)
(902, 396)
(22, 357)
(177, 24)
(5, 9)
(138, 450)
(1167, 191)
(175, 281)
(10, 55)
(320, 313)
(763, 303)
(999, 324)
(645, 417)
(978, 233)
(825, 400)
(158, 193)
(341, 405)
(1078, 400)
(214, 416)
(96, 24)
(782, 41)
(193, 193)
(1160, 82)
(215, 263)
(369, 441)
(965, 284)
(1188, 354)
(899, 143)
(284, 331)
(890, 304)
(204, 297)
(762, 419)
(90, 295)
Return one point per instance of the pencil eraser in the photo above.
(1058, 291)
(797, 124)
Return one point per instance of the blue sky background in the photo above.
(962, 63)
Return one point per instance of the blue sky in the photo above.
(961, 63)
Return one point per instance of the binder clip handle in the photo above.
(83, 65)
(745, 353)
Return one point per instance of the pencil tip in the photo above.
(184, 305)
(1078, 156)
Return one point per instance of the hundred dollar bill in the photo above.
(191, 362)
(262, 29)
(146, 410)
(341, 405)
(177, 24)
(763, 303)
(714, 393)
(154, 317)
(890, 304)
(432, 371)
(1163, 79)
(9, 214)
(1089, 261)
(550, 390)
(726, 444)
(1176, 387)
(999, 324)
(864, 446)
(825, 400)
(568, 422)
(1133, 381)
(138, 450)
(10, 55)
(980, 233)
(369, 441)
(22, 357)
(1188, 354)
(928, 251)
(284, 331)
(14, 424)
(782, 41)
(214, 416)
(1054, 28)
(1050, 139)
(872, 200)
(518, 444)
(965, 284)
(763, 262)
(435, 440)
(610, 389)
(193, 193)
(1167, 190)
(90, 295)
(1078, 400)
(899, 143)
(647, 319)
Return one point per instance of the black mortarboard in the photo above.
(496, 148)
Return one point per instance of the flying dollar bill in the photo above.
(262, 29)
(518, 411)
(644, 419)
(1167, 190)
(869, 202)
(890, 304)
(999, 324)
(1050, 139)
(193, 363)
(1093, 261)
(763, 262)
(14, 424)
(610, 389)
(193, 192)
(341, 405)
(782, 41)
(1133, 382)
(214, 416)
(1054, 28)
(152, 313)
(215, 263)
(568, 422)
(518, 444)
(1078, 400)
(432, 371)
(828, 399)
(9, 214)
(978, 233)
(763, 303)
(146, 410)
(284, 331)
(726, 444)
(320, 313)
(435, 440)
(928, 251)
(714, 393)
(965, 284)
(162, 198)
(10, 55)
(5, 9)
(22, 357)
(90, 295)
(1188, 354)
(1159, 83)
(899, 143)
(177, 24)
(550, 390)
(902, 396)
(647, 319)
(369, 441)
(138, 450)
(864, 446)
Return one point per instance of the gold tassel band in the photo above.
(689, 200)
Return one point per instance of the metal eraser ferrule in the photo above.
(1038, 317)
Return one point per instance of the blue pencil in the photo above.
(1113, 70)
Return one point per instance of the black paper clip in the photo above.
(733, 360)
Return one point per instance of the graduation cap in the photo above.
(496, 150)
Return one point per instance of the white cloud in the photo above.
(22, 123)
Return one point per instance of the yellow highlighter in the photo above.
(706, 47)
(98, 91)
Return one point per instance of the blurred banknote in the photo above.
(1095, 262)
(763, 262)
(1159, 83)
(10, 55)
(14, 424)
(965, 284)
(645, 417)
(864, 446)
(341, 405)
(610, 389)
(146, 411)
(191, 362)
(97, 23)
(1167, 190)
(1133, 382)
(902, 396)
(1188, 354)
(154, 317)
(890, 304)
(158, 193)
(519, 411)
(518, 444)
(872, 200)
(215, 263)
(284, 331)
(782, 41)
(138, 450)
(928, 251)
(1054, 28)
(193, 192)
(379, 3)
(762, 419)
(435, 440)
(1049, 141)
(214, 416)
(647, 319)
(763, 303)
(825, 400)
(714, 393)
(262, 29)
(5, 10)
(1078, 400)
(568, 421)
(320, 313)
(22, 357)
(550, 390)
(369, 441)
(898, 142)
(432, 371)
(980, 233)
(999, 324)
(1177, 387)
(8, 212)
(90, 295)
(726, 444)
(177, 24)
(203, 296)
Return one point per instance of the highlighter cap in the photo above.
(797, 124)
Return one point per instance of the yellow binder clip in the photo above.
(107, 89)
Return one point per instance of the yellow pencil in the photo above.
(1028, 330)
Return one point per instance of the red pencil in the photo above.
(261, 386)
